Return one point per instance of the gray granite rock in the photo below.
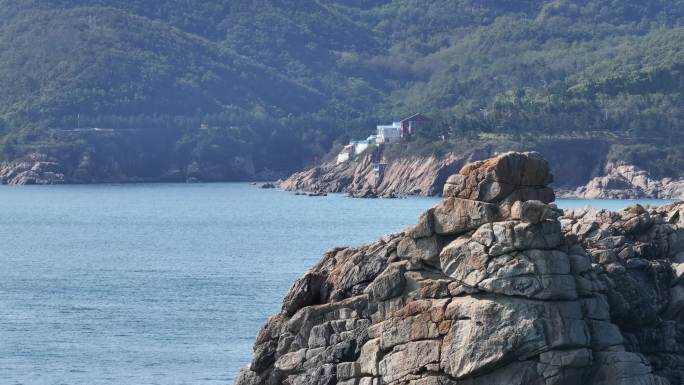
(491, 287)
(455, 216)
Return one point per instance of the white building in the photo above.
(360, 146)
(389, 133)
(342, 157)
(345, 154)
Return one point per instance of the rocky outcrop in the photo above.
(638, 255)
(582, 163)
(33, 169)
(93, 166)
(405, 176)
(624, 181)
(504, 179)
(577, 160)
(494, 285)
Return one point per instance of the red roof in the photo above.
(418, 117)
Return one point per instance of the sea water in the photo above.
(163, 283)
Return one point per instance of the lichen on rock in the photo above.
(494, 285)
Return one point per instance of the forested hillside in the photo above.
(242, 87)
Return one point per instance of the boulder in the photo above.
(409, 358)
(455, 216)
(422, 249)
(304, 292)
(490, 332)
(509, 177)
(533, 211)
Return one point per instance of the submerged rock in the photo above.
(494, 285)
(366, 192)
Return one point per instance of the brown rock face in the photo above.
(507, 178)
(406, 176)
(490, 287)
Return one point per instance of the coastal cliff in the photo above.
(586, 174)
(493, 285)
(38, 168)
(406, 176)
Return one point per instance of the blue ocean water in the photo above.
(162, 283)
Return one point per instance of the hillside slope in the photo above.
(274, 85)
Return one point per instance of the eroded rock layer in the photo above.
(494, 285)
(406, 176)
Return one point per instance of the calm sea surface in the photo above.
(164, 283)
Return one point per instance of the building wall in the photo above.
(388, 134)
(410, 125)
(360, 147)
(342, 157)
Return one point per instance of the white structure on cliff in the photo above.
(345, 154)
(389, 133)
(355, 147)
(403, 128)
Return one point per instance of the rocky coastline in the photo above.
(425, 176)
(33, 169)
(404, 176)
(41, 169)
(493, 285)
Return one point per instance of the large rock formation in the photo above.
(494, 285)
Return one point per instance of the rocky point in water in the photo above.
(494, 285)
(35, 168)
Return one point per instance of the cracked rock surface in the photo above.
(494, 285)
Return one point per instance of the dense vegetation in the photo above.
(254, 85)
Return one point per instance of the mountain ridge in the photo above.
(297, 78)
